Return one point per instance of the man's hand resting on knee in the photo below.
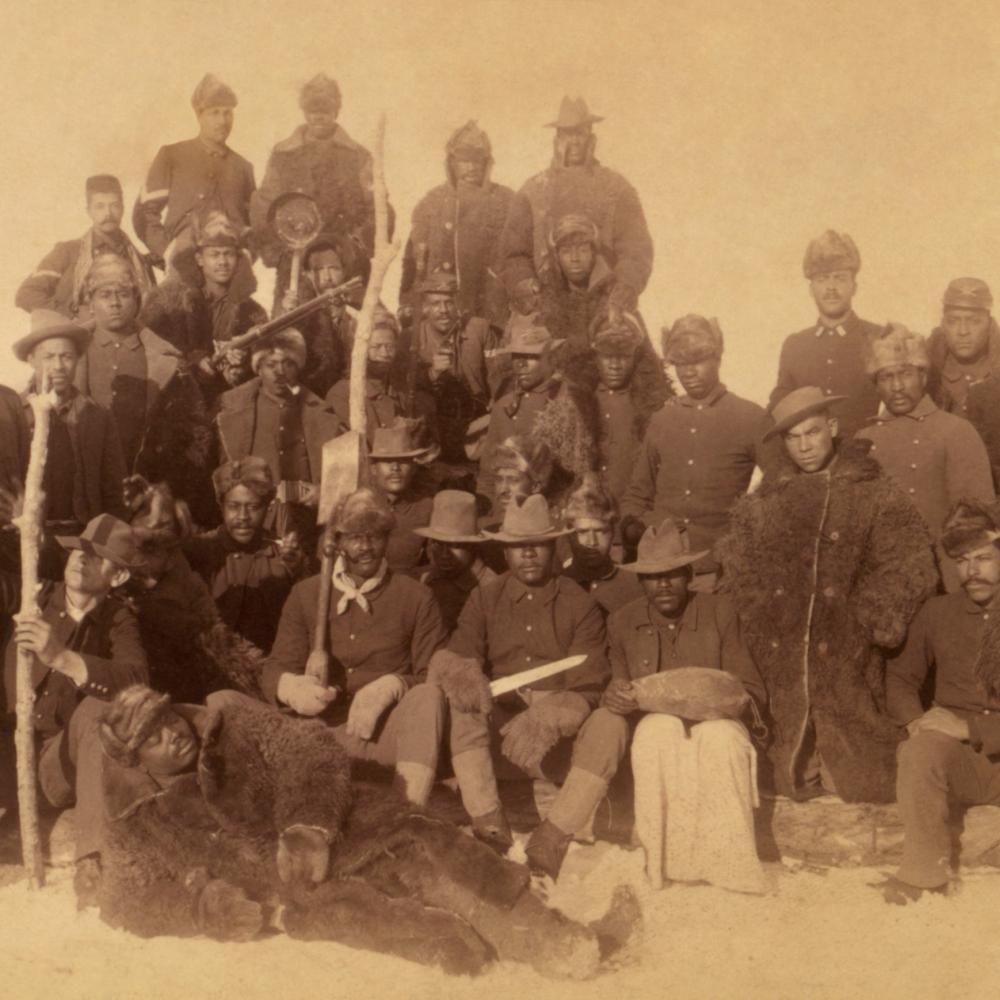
(304, 694)
(939, 720)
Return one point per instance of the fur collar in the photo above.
(297, 140)
(853, 464)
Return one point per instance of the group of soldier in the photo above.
(537, 489)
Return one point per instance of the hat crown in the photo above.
(665, 543)
(216, 229)
(454, 513)
(832, 251)
(807, 399)
(968, 293)
(692, 338)
(396, 439)
(470, 138)
(321, 93)
(590, 500)
(573, 112)
(211, 92)
(110, 269)
(528, 336)
(364, 510)
(43, 320)
(439, 282)
(528, 517)
(575, 224)
(107, 536)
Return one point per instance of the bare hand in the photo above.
(939, 720)
(36, 634)
(11, 505)
(290, 300)
(619, 697)
(318, 666)
(309, 495)
(304, 694)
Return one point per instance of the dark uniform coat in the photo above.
(827, 571)
(98, 465)
(456, 228)
(237, 421)
(833, 361)
(107, 638)
(593, 190)
(57, 282)
(15, 439)
(397, 636)
(187, 178)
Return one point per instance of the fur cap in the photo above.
(589, 500)
(290, 341)
(895, 345)
(691, 339)
(831, 252)
(362, 512)
(134, 715)
(971, 524)
(526, 454)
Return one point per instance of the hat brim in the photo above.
(74, 331)
(443, 536)
(589, 120)
(549, 345)
(95, 548)
(665, 565)
(799, 415)
(396, 455)
(507, 539)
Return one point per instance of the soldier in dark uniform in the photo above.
(190, 177)
(828, 354)
(57, 282)
(456, 228)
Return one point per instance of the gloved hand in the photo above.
(528, 737)
(303, 854)
(370, 702)
(226, 913)
(304, 694)
(619, 697)
(462, 680)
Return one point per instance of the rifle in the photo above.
(245, 340)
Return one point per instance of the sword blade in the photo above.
(504, 684)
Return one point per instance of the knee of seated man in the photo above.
(926, 751)
(604, 728)
(424, 700)
(722, 734)
(658, 728)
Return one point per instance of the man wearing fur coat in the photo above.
(950, 755)
(321, 160)
(576, 183)
(456, 228)
(827, 563)
(228, 818)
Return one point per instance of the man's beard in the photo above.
(378, 370)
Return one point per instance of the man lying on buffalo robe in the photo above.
(228, 818)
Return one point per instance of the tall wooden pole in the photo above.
(384, 254)
(30, 526)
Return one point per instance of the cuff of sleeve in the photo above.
(99, 681)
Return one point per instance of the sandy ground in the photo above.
(821, 934)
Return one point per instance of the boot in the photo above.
(546, 849)
(415, 781)
(494, 830)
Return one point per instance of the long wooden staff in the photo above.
(30, 526)
(350, 448)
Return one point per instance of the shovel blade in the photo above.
(340, 474)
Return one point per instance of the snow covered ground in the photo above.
(821, 934)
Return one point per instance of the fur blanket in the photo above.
(827, 571)
(401, 881)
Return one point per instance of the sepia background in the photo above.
(747, 128)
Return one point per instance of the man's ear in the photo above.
(834, 425)
(198, 258)
(120, 578)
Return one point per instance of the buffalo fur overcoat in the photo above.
(827, 571)
(400, 881)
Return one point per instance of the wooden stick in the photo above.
(30, 527)
(384, 254)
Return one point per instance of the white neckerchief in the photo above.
(349, 592)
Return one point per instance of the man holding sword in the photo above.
(528, 617)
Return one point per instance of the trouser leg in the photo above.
(409, 741)
(934, 771)
(472, 761)
(70, 767)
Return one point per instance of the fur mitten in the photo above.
(462, 680)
